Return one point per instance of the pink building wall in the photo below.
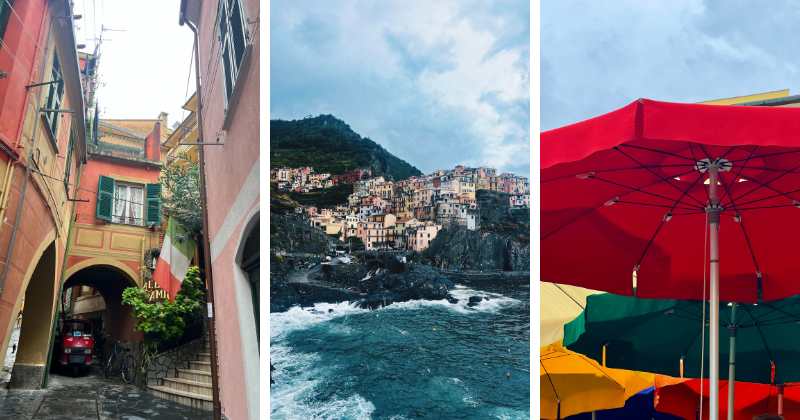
(233, 207)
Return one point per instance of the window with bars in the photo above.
(55, 96)
(232, 36)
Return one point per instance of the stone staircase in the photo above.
(191, 386)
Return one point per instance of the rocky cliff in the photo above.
(502, 242)
(456, 248)
(294, 234)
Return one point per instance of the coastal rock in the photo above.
(474, 301)
(501, 241)
(451, 299)
(416, 282)
(292, 234)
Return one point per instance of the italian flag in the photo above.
(173, 263)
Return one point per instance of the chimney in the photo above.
(163, 117)
(152, 143)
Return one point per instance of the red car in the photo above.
(74, 344)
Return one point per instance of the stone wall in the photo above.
(165, 364)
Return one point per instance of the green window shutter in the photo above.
(105, 198)
(153, 202)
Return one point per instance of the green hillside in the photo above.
(329, 145)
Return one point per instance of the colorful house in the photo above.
(229, 33)
(42, 108)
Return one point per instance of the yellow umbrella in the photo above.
(578, 384)
(558, 305)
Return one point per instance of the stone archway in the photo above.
(110, 278)
(34, 337)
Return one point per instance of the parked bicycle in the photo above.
(126, 366)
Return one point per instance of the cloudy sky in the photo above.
(600, 56)
(145, 68)
(436, 83)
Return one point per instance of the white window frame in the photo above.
(231, 69)
(116, 218)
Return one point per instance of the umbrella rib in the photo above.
(641, 190)
(551, 383)
(741, 168)
(726, 153)
(657, 151)
(768, 155)
(638, 168)
(767, 198)
(769, 353)
(568, 295)
(765, 185)
(665, 219)
(741, 223)
(695, 159)
(597, 206)
(656, 205)
(767, 207)
(774, 309)
(691, 343)
(652, 172)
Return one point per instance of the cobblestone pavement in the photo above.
(91, 396)
(11, 355)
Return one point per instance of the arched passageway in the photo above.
(108, 282)
(34, 336)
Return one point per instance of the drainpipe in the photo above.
(63, 274)
(206, 245)
(30, 157)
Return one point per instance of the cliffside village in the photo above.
(406, 214)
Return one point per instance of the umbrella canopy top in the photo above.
(683, 399)
(646, 119)
(655, 335)
(558, 305)
(628, 192)
(571, 383)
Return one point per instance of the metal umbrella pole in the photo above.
(732, 362)
(713, 210)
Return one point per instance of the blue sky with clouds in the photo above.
(437, 84)
(599, 56)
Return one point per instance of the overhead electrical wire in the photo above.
(97, 193)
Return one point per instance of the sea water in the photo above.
(418, 359)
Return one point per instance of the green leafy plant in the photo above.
(180, 195)
(165, 318)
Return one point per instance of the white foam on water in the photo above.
(495, 304)
(298, 318)
(298, 377)
(355, 408)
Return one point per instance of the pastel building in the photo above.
(231, 117)
(421, 235)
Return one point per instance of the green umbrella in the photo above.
(657, 336)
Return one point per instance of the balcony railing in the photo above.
(117, 149)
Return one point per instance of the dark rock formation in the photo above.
(294, 234)
(474, 301)
(417, 282)
(457, 248)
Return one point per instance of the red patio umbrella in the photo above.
(683, 399)
(631, 192)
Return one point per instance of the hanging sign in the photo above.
(154, 292)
